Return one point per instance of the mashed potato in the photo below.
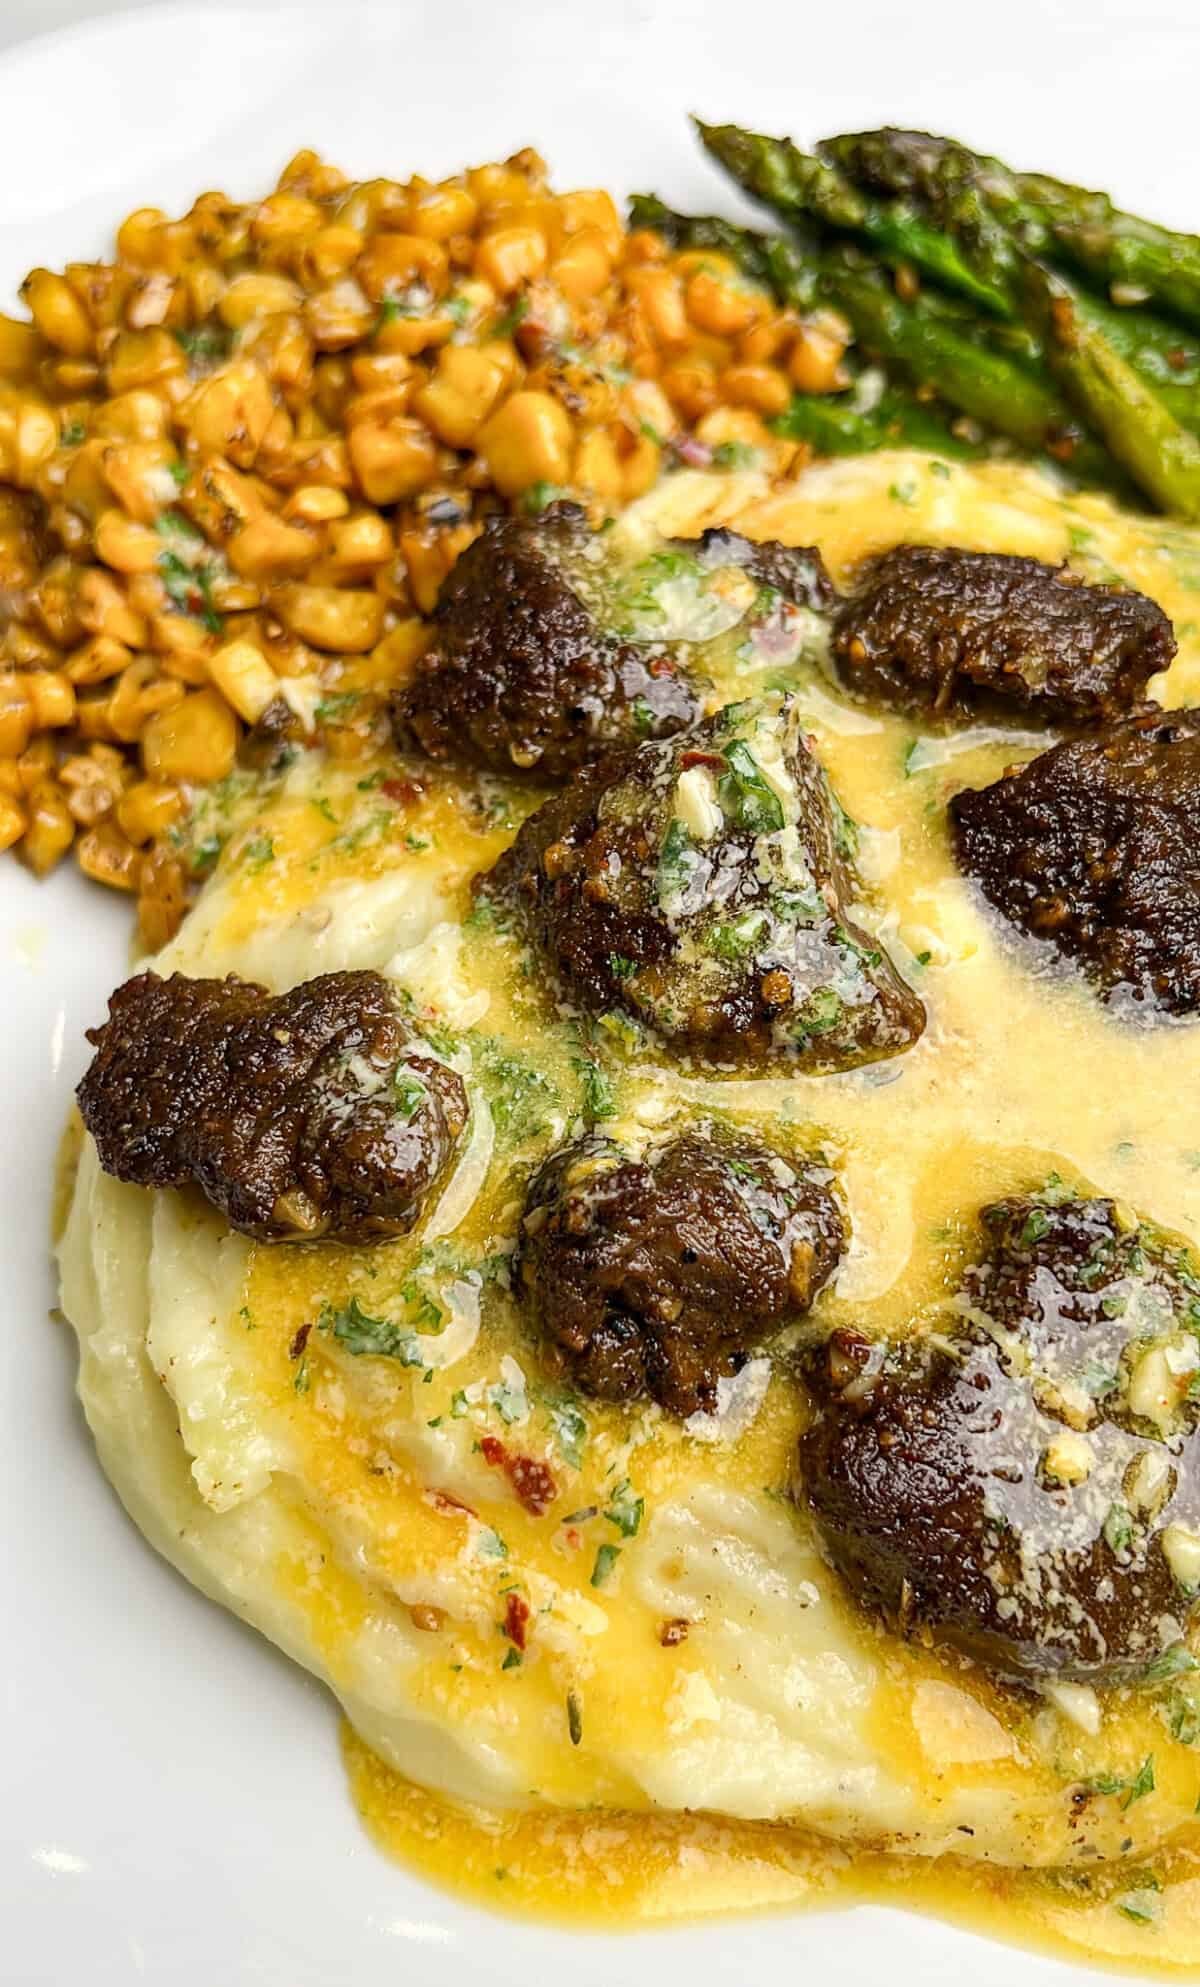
(354, 1508)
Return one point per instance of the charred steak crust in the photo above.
(1095, 845)
(309, 1113)
(520, 678)
(1000, 1484)
(526, 678)
(939, 630)
(677, 884)
(658, 1275)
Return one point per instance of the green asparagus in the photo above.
(1140, 431)
(801, 188)
(1132, 257)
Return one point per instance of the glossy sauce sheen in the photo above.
(1021, 1071)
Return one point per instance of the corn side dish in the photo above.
(237, 461)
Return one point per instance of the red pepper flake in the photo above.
(442, 1501)
(533, 1482)
(296, 1348)
(687, 759)
(516, 1620)
(403, 792)
(672, 1633)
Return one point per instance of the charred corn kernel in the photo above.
(283, 215)
(52, 699)
(193, 743)
(392, 660)
(108, 857)
(660, 294)
(35, 440)
(58, 314)
(392, 460)
(104, 610)
(92, 785)
(147, 809)
(815, 360)
(507, 257)
(690, 385)
(765, 341)
(245, 679)
(762, 387)
(137, 416)
(342, 620)
(462, 393)
(162, 898)
(91, 717)
(592, 208)
(126, 546)
(719, 302)
(20, 348)
(329, 253)
(50, 831)
(643, 245)
(379, 406)
(733, 424)
(257, 293)
(437, 212)
(13, 821)
(97, 660)
(597, 465)
(145, 359)
(582, 266)
(139, 236)
(28, 649)
(138, 694)
(139, 476)
(339, 315)
(372, 372)
(527, 440)
(16, 717)
(221, 500)
(647, 404)
(37, 762)
(357, 544)
(313, 503)
(229, 414)
(269, 548)
(11, 782)
(640, 467)
(391, 264)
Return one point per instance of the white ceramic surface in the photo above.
(173, 1808)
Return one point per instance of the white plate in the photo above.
(174, 1808)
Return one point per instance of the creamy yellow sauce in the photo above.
(614, 1872)
(1022, 1071)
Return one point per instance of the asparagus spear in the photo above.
(799, 188)
(991, 389)
(835, 426)
(1045, 214)
(1141, 433)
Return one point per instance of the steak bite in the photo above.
(1095, 845)
(934, 629)
(1025, 1482)
(311, 1113)
(704, 885)
(549, 651)
(659, 1274)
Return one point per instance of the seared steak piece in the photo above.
(658, 1275)
(938, 630)
(548, 653)
(311, 1113)
(1025, 1483)
(703, 884)
(1095, 845)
